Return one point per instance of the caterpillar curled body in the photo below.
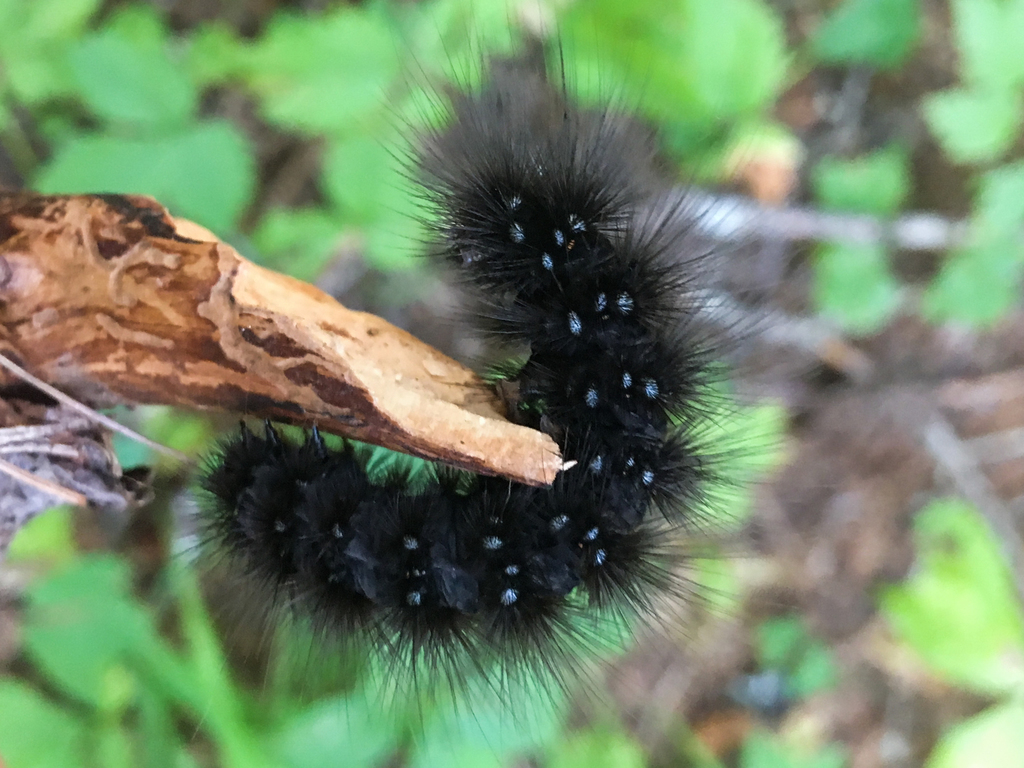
(552, 217)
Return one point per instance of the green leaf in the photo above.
(393, 239)
(735, 54)
(988, 35)
(158, 741)
(131, 453)
(215, 54)
(878, 32)
(36, 734)
(752, 440)
(977, 285)
(361, 176)
(299, 242)
(958, 610)
(324, 74)
(204, 172)
(45, 20)
(875, 183)
(349, 731)
(992, 739)
(978, 26)
(779, 641)
(755, 437)
(999, 206)
(598, 748)
(785, 645)
(453, 37)
(33, 39)
(814, 671)
(49, 536)
(141, 25)
(703, 63)
(123, 82)
(205, 685)
(80, 623)
(57, 127)
(764, 750)
(974, 126)
(480, 733)
(113, 746)
(854, 286)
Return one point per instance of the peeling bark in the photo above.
(110, 299)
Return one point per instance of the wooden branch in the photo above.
(110, 299)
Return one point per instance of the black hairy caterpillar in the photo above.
(554, 220)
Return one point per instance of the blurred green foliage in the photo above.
(880, 33)
(121, 102)
(980, 282)
(783, 644)
(854, 284)
(125, 104)
(976, 124)
(764, 750)
(961, 614)
(959, 609)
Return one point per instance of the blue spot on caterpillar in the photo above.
(551, 217)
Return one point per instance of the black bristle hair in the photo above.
(554, 221)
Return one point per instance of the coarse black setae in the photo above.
(553, 220)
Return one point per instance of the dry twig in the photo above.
(112, 301)
(732, 218)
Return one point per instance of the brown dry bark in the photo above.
(110, 299)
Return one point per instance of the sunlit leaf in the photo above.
(49, 536)
(597, 748)
(988, 35)
(958, 609)
(701, 62)
(974, 125)
(992, 739)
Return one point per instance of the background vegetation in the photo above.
(280, 126)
